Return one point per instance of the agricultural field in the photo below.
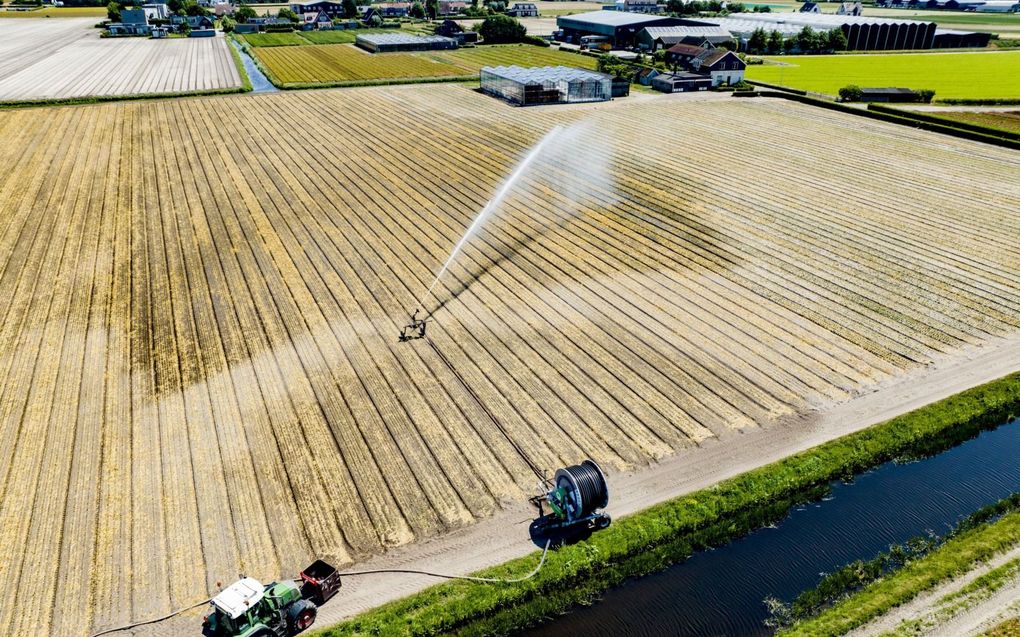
(1000, 120)
(96, 13)
(62, 59)
(199, 369)
(328, 63)
(985, 75)
(347, 63)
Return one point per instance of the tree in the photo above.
(807, 40)
(417, 10)
(350, 8)
(227, 24)
(850, 93)
(757, 42)
(775, 42)
(835, 40)
(244, 13)
(500, 29)
(287, 14)
(789, 45)
(175, 6)
(113, 12)
(432, 9)
(925, 95)
(192, 8)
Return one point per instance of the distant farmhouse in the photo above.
(639, 6)
(330, 9)
(523, 10)
(850, 8)
(450, 29)
(393, 9)
(721, 66)
(132, 22)
(810, 7)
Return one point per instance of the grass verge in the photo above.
(670, 531)
(953, 558)
(239, 63)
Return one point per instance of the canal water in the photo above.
(259, 82)
(721, 591)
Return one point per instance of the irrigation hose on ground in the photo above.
(485, 580)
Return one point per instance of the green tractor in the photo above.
(246, 608)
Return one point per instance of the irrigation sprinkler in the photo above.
(413, 330)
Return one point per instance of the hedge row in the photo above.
(668, 532)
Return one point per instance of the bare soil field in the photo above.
(199, 371)
(53, 59)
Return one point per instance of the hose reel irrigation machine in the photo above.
(570, 508)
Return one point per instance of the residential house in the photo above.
(394, 9)
(854, 8)
(331, 9)
(523, 10)
(315, 20)
(450, 29)
(221, 9)
(810, 7)
(721, 65)
(193, 21)
(452, 7)
(132, 22)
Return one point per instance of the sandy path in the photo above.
(504, 536)
(968, 622)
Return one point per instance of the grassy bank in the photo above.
(669, 532)
(955, 557)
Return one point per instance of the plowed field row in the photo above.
(52, 59)
(199, 373)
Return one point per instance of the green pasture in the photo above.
(980, 75)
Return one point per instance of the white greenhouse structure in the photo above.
(546, 85)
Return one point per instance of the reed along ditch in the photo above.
(721, 591)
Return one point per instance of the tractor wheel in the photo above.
(300, 615)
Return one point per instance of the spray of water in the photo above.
(493, 204)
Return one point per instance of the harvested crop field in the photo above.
(199, 371)
(61, 59)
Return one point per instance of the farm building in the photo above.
(888, 95)
(850, 8)
(523, 10)
(862, 33)
(740, 30)
(953, 39)
(132, 22)
(620, 27)
(639, 6)
(155, 11)
(655, 38)
(998, 6)
(391, 42)
(545, 85)
(682, 82)
(719, 65)
(810, 7)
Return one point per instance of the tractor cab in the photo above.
(246, 608)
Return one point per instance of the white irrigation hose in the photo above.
(487, 580)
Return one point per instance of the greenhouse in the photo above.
(546, 85)
(391, 42)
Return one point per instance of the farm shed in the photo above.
(331, 9)
(450, 29)
(391, 42)
(545, 85)
(621, 27)
(681, 82)
(888, 95)
(953, 39)
(655, 38)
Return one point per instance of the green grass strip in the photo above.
(239, 63)
(953, 558)
(1008, 628)
(666, 533)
